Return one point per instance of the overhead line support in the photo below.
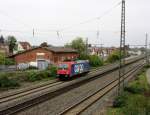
(122, 51)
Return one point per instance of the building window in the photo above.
(62, 58)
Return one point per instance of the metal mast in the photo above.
(122, 46)
(146, 50)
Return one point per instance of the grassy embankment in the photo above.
(135, 100)
(11, 80)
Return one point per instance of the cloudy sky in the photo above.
(19, 17)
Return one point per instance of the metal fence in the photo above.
(6, 68)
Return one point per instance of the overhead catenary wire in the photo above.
(58, 31)
(14, 19)
(93, 19)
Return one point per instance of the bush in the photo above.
(2, 58)
(135, 88)
(53, 71)
(37, 75)
(9, 61)
(84, 57)
(6, 61)
(147, 66)
(33, 76)
(95, 61)
(120, 101)
(6, 82)
(136, 105)
(115, 56)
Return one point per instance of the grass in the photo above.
(135, 100)
(11, 80)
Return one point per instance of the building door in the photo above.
(42, 64)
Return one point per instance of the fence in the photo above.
(6, 68)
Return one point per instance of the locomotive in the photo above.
(72, 68)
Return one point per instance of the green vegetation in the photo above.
(53, 71)
(95, 61)
(12, 43)
(115, 56)
(6, 61)
(6, 82)
(36, 76)
(78, 44)
(9, 61)
(135, 100)
(2, 58)
(14, 79)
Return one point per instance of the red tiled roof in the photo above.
(25, 45)
(53, 49)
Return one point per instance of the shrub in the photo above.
(6, 82)
(84, 57)
(147, 66)
(115, 56)
(6, 61)
(139, 86)
(53, 71)
(135, 88)
(37, 75)
(136, 105)
(95, 61)
(120, 101)
(44, 74)
(33, 76)
(9, 61)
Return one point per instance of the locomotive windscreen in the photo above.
(63, 66)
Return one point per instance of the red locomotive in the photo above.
(72, 68)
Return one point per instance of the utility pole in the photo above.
(146, 50)
(86, 46)
(122, 47)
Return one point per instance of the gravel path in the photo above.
(148, 75)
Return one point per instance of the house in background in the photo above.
(22, 46)
(42, 56)
(103, 52)
(4, 48)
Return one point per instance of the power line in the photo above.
(14, 19)
(93, 19)
(58, 30)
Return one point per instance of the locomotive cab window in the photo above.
(63, 66)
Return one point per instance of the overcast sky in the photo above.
(19, 17)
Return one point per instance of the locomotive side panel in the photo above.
(79, 68)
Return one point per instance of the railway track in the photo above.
(18, 107)
(85, 103)
(45, 84)
(27, 91)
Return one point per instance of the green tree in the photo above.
(6, 61)
(95, 61)
(115, 56)
(2, 40)
(2, 59)
(44, 44)
(78, 44)
(12, 43)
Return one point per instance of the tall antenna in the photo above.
(146, 50)
(122, 47)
